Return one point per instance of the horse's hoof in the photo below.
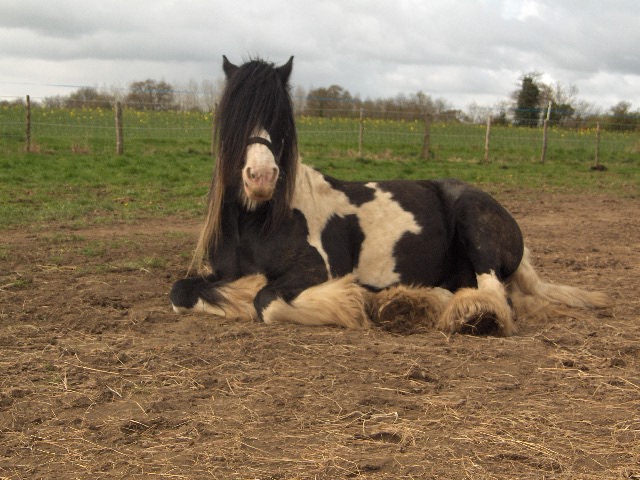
(477, 312)
(484, 324)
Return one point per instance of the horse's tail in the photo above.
(530, 295)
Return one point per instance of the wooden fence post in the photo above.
(597, 159)
(486, 140)
(544, 141)
(545, 126)
(28, 126)
(427, 136)
(119, 134)
(361, 133)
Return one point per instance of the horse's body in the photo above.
(286, 243)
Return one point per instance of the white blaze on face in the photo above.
(260, 172)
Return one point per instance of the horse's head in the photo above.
(256, 129)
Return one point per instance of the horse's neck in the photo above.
(311, 187)
(317, 199)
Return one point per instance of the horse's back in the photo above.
(430, 232)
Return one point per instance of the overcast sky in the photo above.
(461, 50)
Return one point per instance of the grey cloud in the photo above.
(456, 49)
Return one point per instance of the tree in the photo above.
(622, 118)
(327, 102)
(527, 99)
(299, 99)
(210, 94)
(410, 107)
(86, 97)
(562, 101)
(189, 96)
(151, 95)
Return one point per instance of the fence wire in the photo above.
(369, 133)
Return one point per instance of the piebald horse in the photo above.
(282, 242)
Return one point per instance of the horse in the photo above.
(282, 242)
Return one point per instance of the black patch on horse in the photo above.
(356, 194)
(342, 240)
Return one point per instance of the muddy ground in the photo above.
(100, 379)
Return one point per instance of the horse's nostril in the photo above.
(268, 175)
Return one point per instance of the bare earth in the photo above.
(100, 379)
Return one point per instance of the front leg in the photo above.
(222, 298)
(340, 301)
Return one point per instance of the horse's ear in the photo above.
(285, 70)
(228, 67)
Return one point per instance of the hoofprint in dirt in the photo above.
(98, 378)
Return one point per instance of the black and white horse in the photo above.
(285, 243)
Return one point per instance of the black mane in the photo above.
(256, 95)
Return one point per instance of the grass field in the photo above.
(74, 176)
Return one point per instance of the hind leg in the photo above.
(490, 241)
(483, 311)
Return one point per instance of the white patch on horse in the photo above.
(383, 222)
(318, 201)
(489, 281)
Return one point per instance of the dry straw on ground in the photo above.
(98, 378)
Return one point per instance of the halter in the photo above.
(268, 144)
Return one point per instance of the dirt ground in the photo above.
(100, 379)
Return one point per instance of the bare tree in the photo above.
(299, 98)
(151, 95)
(210, 95)
(188, 96)
(88, 97)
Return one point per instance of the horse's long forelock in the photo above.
(254, 97)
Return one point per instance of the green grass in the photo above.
(74, 177)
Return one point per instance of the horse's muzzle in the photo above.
(259, 184)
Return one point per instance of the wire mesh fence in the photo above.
(92, 130)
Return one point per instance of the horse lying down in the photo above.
(284, 243)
